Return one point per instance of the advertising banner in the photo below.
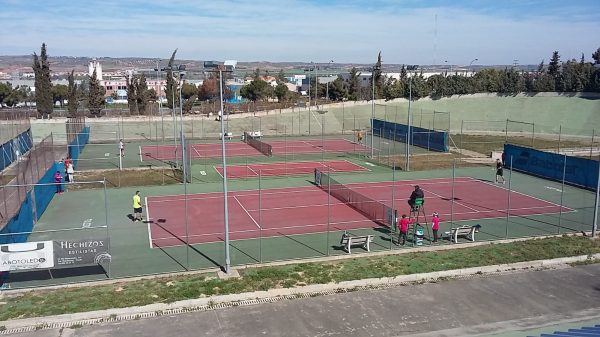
(27, 255)
(73, 253)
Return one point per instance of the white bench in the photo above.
(462, 231)
(348, 241)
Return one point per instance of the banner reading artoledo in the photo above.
(27, 255)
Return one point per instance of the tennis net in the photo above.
(261, 146)
(374, 210)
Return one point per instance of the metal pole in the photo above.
(106, 220)
(408, 136)
(227, 258)
(595, 223)
(562, 192)
(260, 216)
(592, 145)
(559, 134)
(452, 199)
(509, 189)
(393, 209)
(372, 108)
(328, 205)
(308, 106)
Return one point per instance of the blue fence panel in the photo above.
(578, 171)
(45, 193)
(21, 223)
(22, 143)
(76, 146)
(421, 137)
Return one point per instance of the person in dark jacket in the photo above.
(416, 194)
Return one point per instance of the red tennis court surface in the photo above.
(302, 210)
(236, 149)
(288, 168)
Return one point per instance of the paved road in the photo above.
(476, 306)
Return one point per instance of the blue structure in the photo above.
(577, 171)
(18, 145)
(425, 138)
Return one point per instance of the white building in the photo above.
(94, 64)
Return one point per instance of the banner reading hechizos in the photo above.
(27, 255)
(72, 253)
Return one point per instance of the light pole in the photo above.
(409, 132)
(470, 64)
(309, 112)
(162, 118)
(375, 67)
(220, 68)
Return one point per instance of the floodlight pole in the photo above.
(372, 109)
(595, 223)
(225, 206)
(408, 134)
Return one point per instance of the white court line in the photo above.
(148, 221)
(249, 167)
(527, 195)
(219, 173)
(245, 210)
(141, 159)
(458, 203)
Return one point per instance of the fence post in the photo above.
(508, 203)
(562, 192)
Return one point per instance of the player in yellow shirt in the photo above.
(137, 207)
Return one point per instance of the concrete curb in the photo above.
(250, 298)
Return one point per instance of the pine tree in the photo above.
(43, 86)
(377, 77)
(130, 82)
(72, 95)
(353, 85)
(95, 95)
(142, 94)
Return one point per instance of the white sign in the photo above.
(27, 255)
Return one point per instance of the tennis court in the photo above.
(233, 149)
(303, 210)
(288, 168)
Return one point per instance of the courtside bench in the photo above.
(348, 241)
(462, 231)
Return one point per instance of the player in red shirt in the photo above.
(435, 225)
(403, 224)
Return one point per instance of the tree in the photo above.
(142, 94)
(281, 77)
(171, 88)
(95, 95)
(554, 71)
(596, 56)
(130, 82)
(377, 76)
(5, 90)
(60, 92)
(189, 103)
(257, 90)
(72, 95)
(188, 90)
(338, 90)
(43, 86)
(281, 91)
(209, 89)
(353, 85)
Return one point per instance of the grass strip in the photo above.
(169, 289)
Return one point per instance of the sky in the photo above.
(345, 31)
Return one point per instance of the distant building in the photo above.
(95, 65)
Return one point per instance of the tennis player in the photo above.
(137, 207)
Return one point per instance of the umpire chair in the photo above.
(417, 211)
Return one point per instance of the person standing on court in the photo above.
(121, 148)
(403, 225)
(137, 207)
(499, 171)
(70, 172)
(416, 194)
(359, 137)
(435, 225)
(58, 181)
